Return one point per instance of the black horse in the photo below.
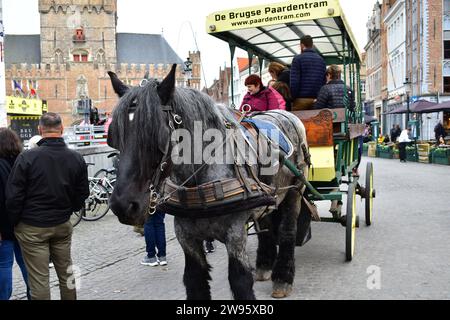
(142, 126)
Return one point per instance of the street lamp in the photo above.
(407, 85)
(188, 70)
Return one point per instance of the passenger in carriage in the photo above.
(331, 95)
(307, 75)
(259, 97)
(283, 90)
(280, 73)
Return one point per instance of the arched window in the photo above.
(100, 57)
(80, 56)
(59, 57)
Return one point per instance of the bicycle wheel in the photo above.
(75, 218)
(101, 173)
(97, 204)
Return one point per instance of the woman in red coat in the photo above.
(259, 97)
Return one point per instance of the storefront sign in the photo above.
(25, 126)
(17, 105)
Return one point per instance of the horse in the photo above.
(143, 123)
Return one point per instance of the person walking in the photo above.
(46, 185)
(307, 75)
(403, 141)
(155, 239)
(439, 132)
(10, 148)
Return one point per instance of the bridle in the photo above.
(173, 121)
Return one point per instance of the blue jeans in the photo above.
(155, 235)
(9, 249)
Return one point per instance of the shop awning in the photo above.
(416, 107)
(444, 106)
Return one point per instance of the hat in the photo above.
(253, 79)
(33, 142)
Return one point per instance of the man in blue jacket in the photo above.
(307, 75)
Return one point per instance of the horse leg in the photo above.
(267, 248)
(239, 268)
(284, 269)
(196, 269)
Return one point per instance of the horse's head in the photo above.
(140, 131)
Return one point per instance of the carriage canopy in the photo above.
(272, 31)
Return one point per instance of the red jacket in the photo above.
(264, 100)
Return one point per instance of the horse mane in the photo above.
(149, 128)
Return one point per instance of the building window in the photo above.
(446, 84)
(80, 56)
(79, 35)
(447, 50)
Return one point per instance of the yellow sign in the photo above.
(17, 105)
(270, 14)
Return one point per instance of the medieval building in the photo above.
(66, 64)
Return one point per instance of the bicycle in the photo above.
(97, 203)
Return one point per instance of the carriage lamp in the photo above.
(407, 85)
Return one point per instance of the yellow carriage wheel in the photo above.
(370, 194)
(351, 222)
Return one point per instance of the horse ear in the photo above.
(118, 85)
(167, 86)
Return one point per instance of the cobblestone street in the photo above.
(408, 242)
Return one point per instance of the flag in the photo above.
(31, 89)
(17, 86)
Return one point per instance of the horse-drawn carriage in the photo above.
(172, 141)
(271, 32)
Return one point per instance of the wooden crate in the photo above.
(424, 153)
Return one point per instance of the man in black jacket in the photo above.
(333, 94)
(46, 185)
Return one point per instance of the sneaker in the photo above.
(162, 261)
(51, 265)
(152, 262)
(209, 247)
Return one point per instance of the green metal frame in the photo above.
(346, 149)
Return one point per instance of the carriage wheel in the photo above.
(351, 222)
(370, 194)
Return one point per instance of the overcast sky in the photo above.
(182, 22)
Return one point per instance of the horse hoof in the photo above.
(263, 275)
(281, 290)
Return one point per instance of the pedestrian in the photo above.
(439, 132)
(259, 98)
(307, 75)
(10, 148)
(335, 92)
(155, 239)
(46, 185)
(403, 140)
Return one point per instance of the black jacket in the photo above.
(285, 76)
(46, 185)
(6, 227)
(331, 96)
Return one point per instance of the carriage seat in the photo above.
(321, 127)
